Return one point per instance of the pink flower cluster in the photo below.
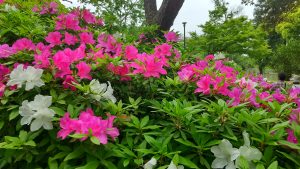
(48, 8)
(4, 72)
(171, 37)
(89, 125)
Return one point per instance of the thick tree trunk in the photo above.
(165, 16)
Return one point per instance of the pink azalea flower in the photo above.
(278, 96)
(87, 38)
(109, 45)
(209, 57)
(88, 123)
(291, 137)
(265, 96)
(67, 21)
(149, 66)
(163, 50)
(88, 17)
(70, 39)
(6, 51)
(171, 37)
(2, 89)
(252, 99)
(4, 71)
(68, 83)
(62, 62)
(201, 65)
(42, 60)
(131, 52)
(204, 85)
(294, 92)
(236, 95)
(185, 74)
(22, 44)
(35, 9)
(84, 70)
(53, 8)
(2, 1)
(54, 38)
(100, 22)
(122, 71)
(177, 54)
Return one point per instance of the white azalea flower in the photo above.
(225, 155)
(150, 164)
(248, 152)
(30, 76)
(173, 166)
(38, 111)
(102, 91)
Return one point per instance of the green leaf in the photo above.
(76, 153)
(1, 124)
(176, 159)
(58, 111)
(30, 143)
(187, 162)
(290, 157)
(243, 163)
(126, 162)
(260, 166)
(77, 135)
(23, 135)
(52, 164)
(291, 145)
(95, 140)
(186, 142)
(135, 121)
(274, 165)
(13, 114)
(279, 126)
(90, 165)
(144, 121)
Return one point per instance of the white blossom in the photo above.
(225, 155)
(173, 166)
(30, 76)
(248, 152)
(150, 164)
(101, 91)
(37, 113)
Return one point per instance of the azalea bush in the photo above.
(83, 98)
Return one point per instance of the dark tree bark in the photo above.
(165, 16)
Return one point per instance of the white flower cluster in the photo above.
(226, 155)
(38, 109)
(101, 91)
(30, 76)
(152, 163)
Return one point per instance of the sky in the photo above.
(194, 12)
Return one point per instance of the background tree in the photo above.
(126, 13)
(287, 57)
(234, 35)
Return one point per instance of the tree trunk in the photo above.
(165, 16)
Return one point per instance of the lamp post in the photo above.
(184, 23)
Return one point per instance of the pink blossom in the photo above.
(62, 62)
(100, 22)
(67, 21)
(131, 52)
(291, 137)
(87, 38)
(265, 96)
(204, 85)
(109, 45)
(209, 57)
(6, 51)
(2, 1)
(171, 37)
(54, 38)
(177, 54)
(294, 92)
(35, 9)
(252, 99)
(70, 39)
(88, 17)
(2, 89)
(221, 86)
(53, 8)
(148, 65)
(68, 83)
(236, 95)
(87, 124)
(122, 71)
(22, 44)
(201, 65)
(163, 50)
(42, 60)
(278, 96)
(185, 74)
(4, 71)
(84, 70)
